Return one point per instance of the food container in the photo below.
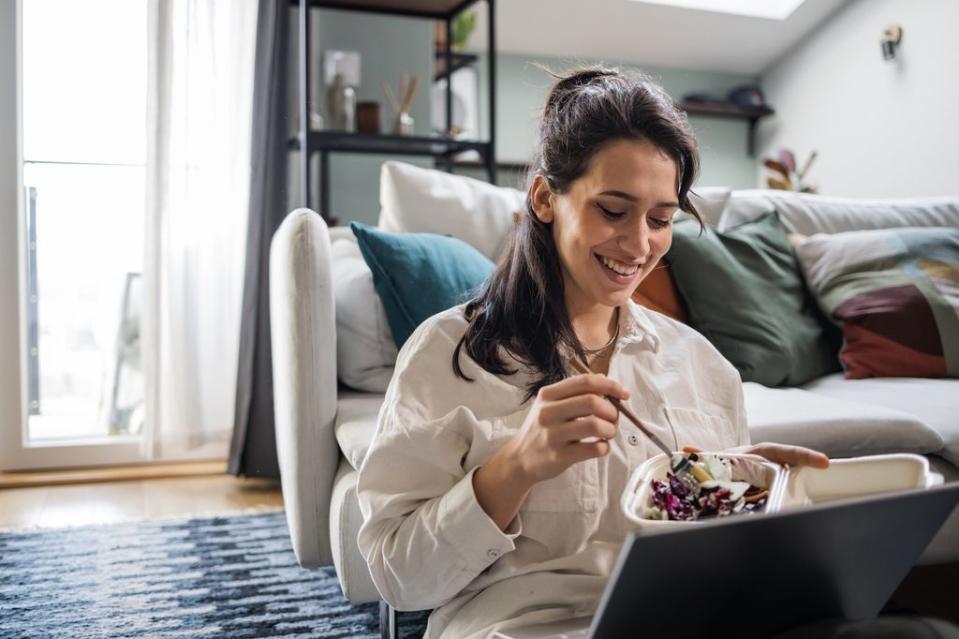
(789, 487)
(857, 477)
(757, 470)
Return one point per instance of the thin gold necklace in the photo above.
(612, 340)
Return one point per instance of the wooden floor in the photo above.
(131, 500)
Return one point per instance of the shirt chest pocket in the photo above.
(696, 428)
(576, 489)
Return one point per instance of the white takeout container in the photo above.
(789, 487)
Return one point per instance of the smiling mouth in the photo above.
(622, 269)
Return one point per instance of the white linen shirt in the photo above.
(428, 542)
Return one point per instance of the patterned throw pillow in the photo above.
(895, 293)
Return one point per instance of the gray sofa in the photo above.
(324, 429)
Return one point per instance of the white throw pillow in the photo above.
(710, 201)
(365, 350)
(418, 200)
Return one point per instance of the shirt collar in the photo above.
(635, 326)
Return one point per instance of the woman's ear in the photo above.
(541, 199)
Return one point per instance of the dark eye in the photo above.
(613, 215)
(660, 224)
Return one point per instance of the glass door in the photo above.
(83, 74)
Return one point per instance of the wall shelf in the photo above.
(729, 111)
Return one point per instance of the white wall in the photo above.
(10, 403)
(882, 129)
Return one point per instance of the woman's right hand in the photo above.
(562, 414)
(548, 442)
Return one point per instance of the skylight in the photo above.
(769, 9)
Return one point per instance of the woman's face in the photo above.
(613, 224)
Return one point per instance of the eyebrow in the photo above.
(633, 198)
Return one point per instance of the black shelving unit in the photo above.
(441, 148)
(460, 60)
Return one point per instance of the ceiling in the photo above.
(645, 33)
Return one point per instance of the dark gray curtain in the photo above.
(253, 449)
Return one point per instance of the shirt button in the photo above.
(492, 553)
(633, 439)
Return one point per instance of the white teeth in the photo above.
(620, 267)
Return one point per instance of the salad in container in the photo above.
(730, 484)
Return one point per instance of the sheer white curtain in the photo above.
(200, 96)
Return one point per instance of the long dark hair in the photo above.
(522, 306)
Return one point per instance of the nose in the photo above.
(635, 238)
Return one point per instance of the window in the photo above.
(84, 74)
(769, 9)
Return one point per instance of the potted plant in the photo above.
(786, 177)
(462, 28)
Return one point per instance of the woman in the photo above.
(491, 489)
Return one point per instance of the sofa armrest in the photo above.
(303, 339)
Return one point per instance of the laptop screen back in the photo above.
(751, 576)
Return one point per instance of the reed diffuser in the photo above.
(403, 124)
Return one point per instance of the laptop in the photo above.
(753, 576)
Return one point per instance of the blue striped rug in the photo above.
(223, 577)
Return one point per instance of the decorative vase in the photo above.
(341, 103)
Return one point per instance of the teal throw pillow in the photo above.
(418, 275)
(745, 293)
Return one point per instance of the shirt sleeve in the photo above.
(424, 535)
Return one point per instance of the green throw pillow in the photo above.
(745, 293)
(418, 275)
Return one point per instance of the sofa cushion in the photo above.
(839, 427)
(744, 292)
(808, 213)
(417, 275)
(418, 200)
(895, 293)
(935, 402)
(365, 350)
(355, 425)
